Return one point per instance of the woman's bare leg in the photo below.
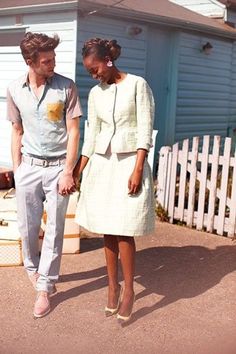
(111, 254)
(127, 257)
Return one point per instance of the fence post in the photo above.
(162, 176)
(232, 204)
(213, 184)
(183, 160)
(174, 163)
(192, 182)
(203, 182)
(223, 186)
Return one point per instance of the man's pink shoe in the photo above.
(42, 304)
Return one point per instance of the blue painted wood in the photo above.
(157, 74)
(204, 87)
(173, 89)
(231, 15)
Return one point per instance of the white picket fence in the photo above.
(197, 185)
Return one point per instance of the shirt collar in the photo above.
(25, 80)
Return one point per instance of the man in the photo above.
(44, 109)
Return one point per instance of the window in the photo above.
(9, 38)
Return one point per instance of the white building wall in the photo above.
(65, 25)
(211, 8)
(12, 64)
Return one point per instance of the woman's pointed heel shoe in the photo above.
(109, 311)
(122, 319)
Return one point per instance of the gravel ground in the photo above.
(185, 288)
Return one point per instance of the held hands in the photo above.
(66, 184)
(69, 181)
(135, 181)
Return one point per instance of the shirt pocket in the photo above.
(55, 111)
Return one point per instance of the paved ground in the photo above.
(185, 300)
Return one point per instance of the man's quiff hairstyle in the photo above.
(34, 43)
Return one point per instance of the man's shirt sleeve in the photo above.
(13, 113)
(73, 106)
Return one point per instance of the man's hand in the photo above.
(66, 184)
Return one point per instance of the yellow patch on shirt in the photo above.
(55, 111)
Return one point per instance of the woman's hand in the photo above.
(135, 181)
(79, 167)
(76, 174)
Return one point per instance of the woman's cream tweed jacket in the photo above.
(120, 115)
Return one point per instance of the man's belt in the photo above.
(33, 161)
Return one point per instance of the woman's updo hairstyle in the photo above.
(101, 48)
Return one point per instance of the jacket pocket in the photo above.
(124, 141)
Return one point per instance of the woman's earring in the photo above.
(109, 64)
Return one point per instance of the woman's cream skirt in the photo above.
(104, 205)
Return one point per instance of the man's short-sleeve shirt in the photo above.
(43, 119)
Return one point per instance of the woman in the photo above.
(116, 196)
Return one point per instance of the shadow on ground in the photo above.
(91, 244)
(172, 272)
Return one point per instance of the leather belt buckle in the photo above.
(45, 163)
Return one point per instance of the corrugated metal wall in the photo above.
(204, 87)
(12, 64)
